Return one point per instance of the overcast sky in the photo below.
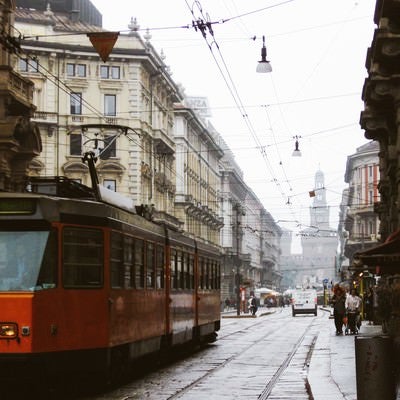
(317, 50)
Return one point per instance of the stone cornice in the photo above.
(376, 126)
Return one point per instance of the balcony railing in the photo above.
(19, 87)
(43, 116)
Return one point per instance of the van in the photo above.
(304, 302)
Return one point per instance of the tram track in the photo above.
(278, 373)
(261, 358)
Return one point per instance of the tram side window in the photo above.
(116, 262)
(150, 267)
(160, 267)
(218, 275)
(174, 282)
(183, 270)
(201, 273)
(179, 270)
(187, 271)
(208, 274)
(83, 261)
(215, 275)
(191, 271)
(129, 269)
(139, 264)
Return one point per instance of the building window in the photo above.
(110, 105)
(28, 65)
(370, 171)
(110, 184)
(76, 103)
(370, 195)
(75, 144)
(371, 227)
(110, 147)
(109, 72)
(78, 70)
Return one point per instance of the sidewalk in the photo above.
(332, 372)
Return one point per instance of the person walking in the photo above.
(252, 304)
(369, 305)
(353, 305)
(338, 302)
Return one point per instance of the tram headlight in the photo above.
(8, 330)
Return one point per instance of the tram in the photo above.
(90, 286)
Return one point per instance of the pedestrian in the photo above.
(353, 305)
(338, 302)
(252, 304)
(369, 305)
(227, 303)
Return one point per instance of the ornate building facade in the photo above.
(381, 122)
(20, 139)
(198, 177)
(121, 110)
(149, 143)
(359, 225)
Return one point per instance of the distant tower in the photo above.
(319, 242)
(319, 212)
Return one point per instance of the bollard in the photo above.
(374, 368)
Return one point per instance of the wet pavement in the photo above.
(332, 372)
(268, 356)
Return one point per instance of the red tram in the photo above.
(89, 286)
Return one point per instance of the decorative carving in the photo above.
(27, 134)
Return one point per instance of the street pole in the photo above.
(238, 297)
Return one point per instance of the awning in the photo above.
(384, 258)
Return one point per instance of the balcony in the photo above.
(45, 117)
(359, 242)
(19, 89)
(84, 119)
(162, 183)
(162, 143)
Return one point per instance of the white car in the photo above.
(304, 302)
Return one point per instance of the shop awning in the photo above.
(384, 258)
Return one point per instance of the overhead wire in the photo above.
(227, 78)
(258, 143)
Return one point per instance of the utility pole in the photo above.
(237, 207)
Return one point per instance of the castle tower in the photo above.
(319, 211)
(319, 242)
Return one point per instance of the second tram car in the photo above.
(88, 286)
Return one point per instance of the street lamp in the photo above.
(296, 151)
(264, 66)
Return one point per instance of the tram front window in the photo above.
(27, 261)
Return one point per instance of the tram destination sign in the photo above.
(17, 206)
